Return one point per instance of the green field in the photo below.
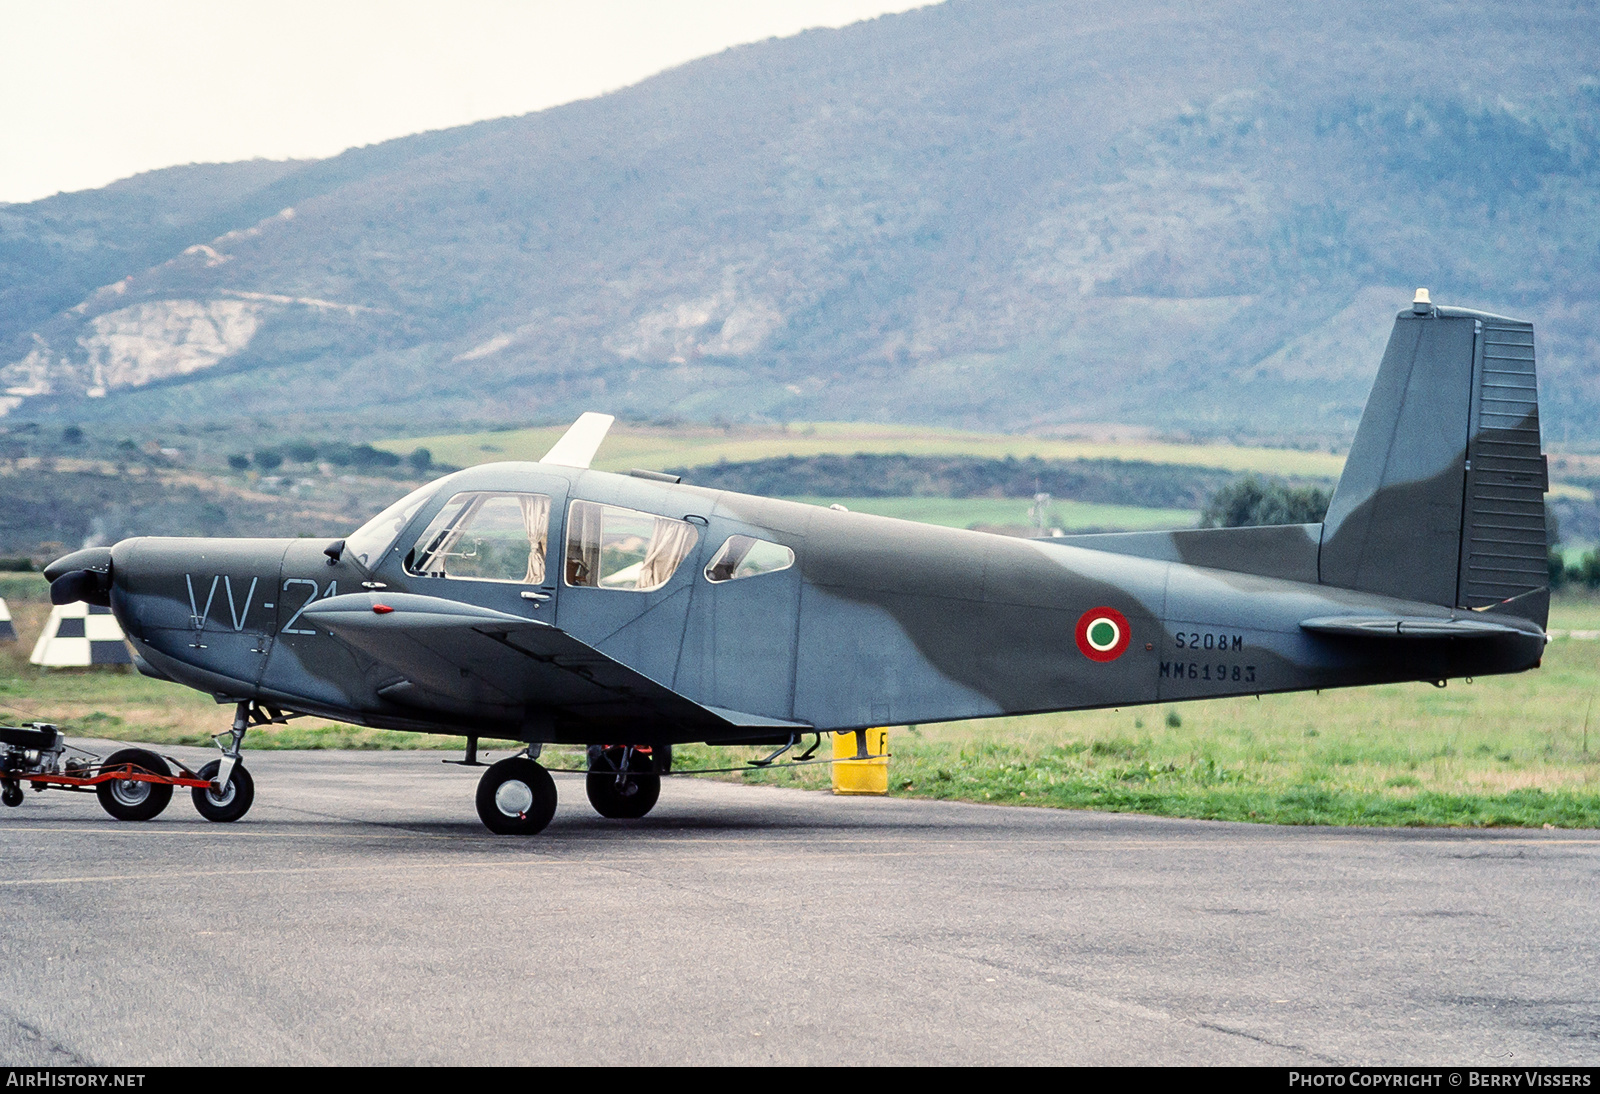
(629, 446)
(1516, 750)
(1521, 751)
(999, 512)
(652, 447)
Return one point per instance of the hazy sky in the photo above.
(95, 90)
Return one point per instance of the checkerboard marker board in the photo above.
(80, 634)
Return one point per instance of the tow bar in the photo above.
(131, 783)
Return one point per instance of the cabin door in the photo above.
(739, 644)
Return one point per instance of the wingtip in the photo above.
(581, 441)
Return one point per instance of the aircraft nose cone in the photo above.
(83, 575)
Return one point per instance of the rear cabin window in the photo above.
(486, 536)
(609, 547)
(746, 556)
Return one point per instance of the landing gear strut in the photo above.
(231, 791)
(623, 783)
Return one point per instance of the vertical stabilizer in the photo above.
(1442, 498)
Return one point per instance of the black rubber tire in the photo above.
(12, 795)
(135, 801)
(634, 797)
(630, 801)
(227, 807)
(509, 809)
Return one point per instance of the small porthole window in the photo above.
(746, 556)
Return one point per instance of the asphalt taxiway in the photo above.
(361, 915)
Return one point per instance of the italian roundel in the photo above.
(1103, 634)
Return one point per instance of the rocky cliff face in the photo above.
(1010, 214)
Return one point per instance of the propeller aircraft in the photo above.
(551, 603)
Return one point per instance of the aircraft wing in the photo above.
(581, 441)
(451, 655)
(1402, 627)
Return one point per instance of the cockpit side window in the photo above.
(486, 536)
(367, 544)
(609, 547)
(746, 556)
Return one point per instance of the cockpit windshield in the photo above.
(367, 544)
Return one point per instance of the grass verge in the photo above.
(630, 446)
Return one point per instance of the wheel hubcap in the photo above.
(220, 797)
(513, 798)
(130, 792)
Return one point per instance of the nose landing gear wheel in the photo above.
(128, 799)
(516, 797)
(232, 801)
(621, 795)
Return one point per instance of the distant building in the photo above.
(80, 634)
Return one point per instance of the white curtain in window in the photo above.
(671, 541)
(536, 520)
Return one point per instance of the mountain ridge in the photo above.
(1003, 215)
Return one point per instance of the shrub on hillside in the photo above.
(1254, 501)
(361, 456)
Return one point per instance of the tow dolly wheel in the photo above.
(516, 797)
(232, 801)
(12, 795)
(621, 795)
(129, 799)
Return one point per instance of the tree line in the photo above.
(361, 456)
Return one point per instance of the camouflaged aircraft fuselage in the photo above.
(1429, 566)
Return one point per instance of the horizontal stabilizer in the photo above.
(1393, 626)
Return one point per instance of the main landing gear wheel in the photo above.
(617, 792)
(129, 799)
(232, 801)
(516, 797)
